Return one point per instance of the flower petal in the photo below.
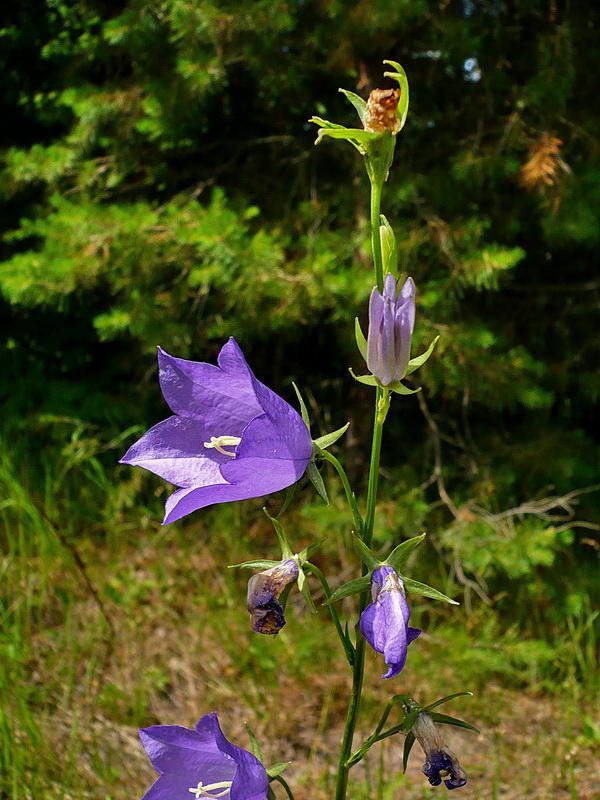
(177, 750)
(195, 388)
(174, 449)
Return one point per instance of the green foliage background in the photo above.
(160, 185)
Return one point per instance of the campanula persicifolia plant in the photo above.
(232, 438)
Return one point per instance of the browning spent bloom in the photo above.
(381, 111)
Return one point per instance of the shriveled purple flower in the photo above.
(201, 763)
(264, 591)
(231, 438)
(440, 762)
(391, 323)
(384, 623)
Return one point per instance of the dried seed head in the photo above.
(381, 111)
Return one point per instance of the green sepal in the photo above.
(305, 554)
(408, 745)
(365, 554)
(389, 247)
(255, 747)
(447, 699)
(258, 564)
(444, 719)
(359, 104)
(323, 442)
(317, 481)
(399, 555)
(276, 769)
(400, 388)
(400, 77)
(305, 590)
(368, 380)
(361, 342)
(286, 550)
(418, 361)
(355, 586)
(302, 404)
(415, 587)
(358, 136)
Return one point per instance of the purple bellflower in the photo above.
(391, 323)
(264, 590)
(230, 437)
(440, 762)
(384, 623)
(201, 763)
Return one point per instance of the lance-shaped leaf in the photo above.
(358, 103)
(415, 587)
(302, 404)
(361, 342)
(286, 550)
(255, 747)
(444, 719)
(355, 586)
(317, 481)
(389, 248)
(447, 699)
(399, 556)
(365, 553)
(323, 442)
(418, 361)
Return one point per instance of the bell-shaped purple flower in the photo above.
(230, 438)
(384, 623)
(440, 762)
(391, 323)
(264, 590)
(201, 763)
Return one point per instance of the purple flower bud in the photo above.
(384, 623)
(264, 590)
(440, 762)
(391, 323)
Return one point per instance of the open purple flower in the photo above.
(231, 438)
(264, 590)
(384, 623)
(201, 763)
(440, 762)
(391, 323)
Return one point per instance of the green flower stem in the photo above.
(358, 521)
(346, 644)
(285, 785)
(382, 404)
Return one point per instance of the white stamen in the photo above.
(218, 442)
(204, 791)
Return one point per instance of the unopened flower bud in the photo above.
(391, 323)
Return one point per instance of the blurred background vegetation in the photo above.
(160, 186)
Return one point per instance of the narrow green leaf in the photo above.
(355, 586)
(389, 247)
(276, 769)
(399, 555)
(400, 76)
(354, 134)
(415, 587)
(444, 719)
(324, 123)
(361, 342)
(408, 745)
(286, 550)
(366, 556)
(358, 103)
(323, 442)
(258, 564)
(418, 361)
(303, 409)
(317, 481)
(255, 747)
(369, 380)
(400, 388)
(447, 699)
